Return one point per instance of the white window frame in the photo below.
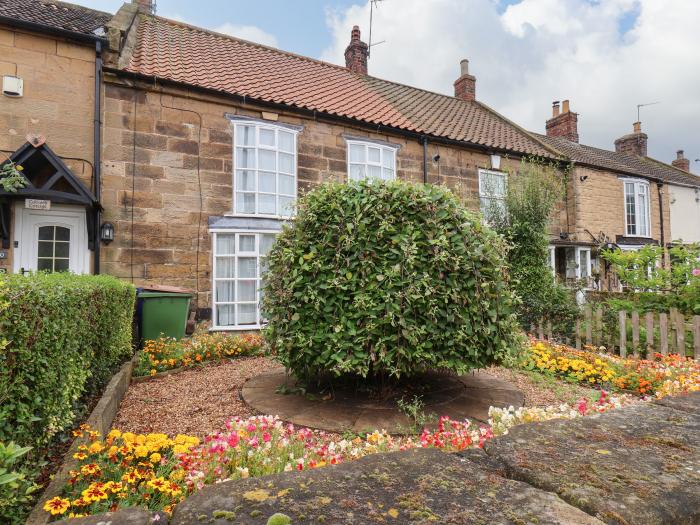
(386, 162)
(552, 259)
(483, 191)
(238, 123)
(258, 277)
(645, 221)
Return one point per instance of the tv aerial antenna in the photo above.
(373, 4)
(639, 106)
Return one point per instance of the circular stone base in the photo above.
(459, 397)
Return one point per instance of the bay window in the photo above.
(238, 268)
(371, 160)
(265, 168)
(637, 208)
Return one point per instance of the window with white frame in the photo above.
(492, 193)
(637, 208)
(371, 160)
(238, 267)
(265, 168)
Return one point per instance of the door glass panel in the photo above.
(247, 314)
(46, 249)
(53, 248)
(60, 265)
(247, 267)
(44, 265)
(46, 233)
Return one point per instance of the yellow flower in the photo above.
(80, 456)
(155, 457)
(141, 451)
(95, 448)
(57, 505)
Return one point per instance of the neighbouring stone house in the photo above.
(53, 51)
(204, 142)
(616, 198)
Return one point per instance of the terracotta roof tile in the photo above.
(186, 54)
(58, 15)
(630, 164)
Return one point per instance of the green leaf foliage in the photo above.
(387, 279)
(532, 194)
(64, 335)
(17, 489)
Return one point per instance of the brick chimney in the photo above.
(633, 144)
(145, 6)
(563, 123)
(465, 85)
(356, 53)
(681, 162)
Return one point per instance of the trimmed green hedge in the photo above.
(387, 279)
(61, 336)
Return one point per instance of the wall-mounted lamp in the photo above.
(107, 232)
(583, 178)
(436, 157)
(495, 162)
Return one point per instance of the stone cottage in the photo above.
(185, 150)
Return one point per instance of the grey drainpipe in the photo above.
(659, 186)
(97, 145)
(425, 160)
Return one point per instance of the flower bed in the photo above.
(661, 374)
(156, 472)
(167, 353)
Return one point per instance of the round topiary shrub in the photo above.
(386, 279)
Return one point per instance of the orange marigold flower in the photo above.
(57, 505)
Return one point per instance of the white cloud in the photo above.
(252, 33)
(537, 51)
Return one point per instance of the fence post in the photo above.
(680, 333)
(635, 333)
(623, 334)
(673, 328)
(589, 328)
(650, 334)
(578, 334)
(663, 333)
(696, 337)
(599, 326)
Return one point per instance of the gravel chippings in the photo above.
(195, 402)
(549, 391)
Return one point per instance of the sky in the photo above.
(605, 56)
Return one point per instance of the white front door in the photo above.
(54, 240)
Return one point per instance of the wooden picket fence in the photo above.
(630, 335)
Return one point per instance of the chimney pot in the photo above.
(562, 124)
(465, 85)
(637, 127)
(357, 53)
(555, 108)
(681, 162)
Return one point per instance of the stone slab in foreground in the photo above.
(634, 466)
(418, 486)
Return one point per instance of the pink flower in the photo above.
(232, 440)
(253, 442)
(696, 272)
(582, 406)
(266, 437)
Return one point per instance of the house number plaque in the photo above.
(37, 204)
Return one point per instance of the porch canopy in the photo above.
(48, 178)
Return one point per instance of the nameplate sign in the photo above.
(37, 204)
